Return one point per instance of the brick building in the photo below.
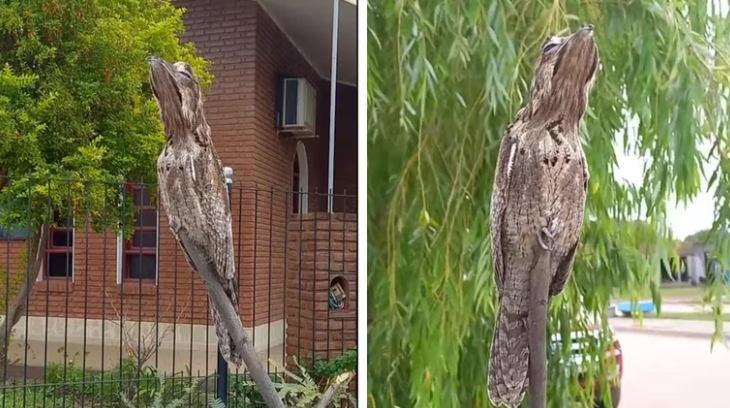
(289, 248)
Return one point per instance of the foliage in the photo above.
(320, 368)
(444, 80)
(128, 385)
(75, 106)
(304, 392)
(124, 384)
(163, 396)
(245, 394)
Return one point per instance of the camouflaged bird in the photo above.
(192, 185)
(537, 206)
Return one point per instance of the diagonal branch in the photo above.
(232, 321)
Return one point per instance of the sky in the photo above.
(684, 220)
(698, 214)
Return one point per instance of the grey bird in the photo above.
(192, 186)
(537, 206)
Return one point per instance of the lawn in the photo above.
(703, 316)
(674, 293)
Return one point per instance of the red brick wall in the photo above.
(320, 250)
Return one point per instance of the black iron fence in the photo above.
(115, 316)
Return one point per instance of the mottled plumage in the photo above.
(537, 204)
(193, 192)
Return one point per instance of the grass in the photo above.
(32, 397)
(669, 293)
(702, 316)
(680, 294)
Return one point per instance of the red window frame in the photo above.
(59, 249)
(129, 248)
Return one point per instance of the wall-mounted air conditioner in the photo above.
(297, 108)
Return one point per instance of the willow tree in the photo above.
(76, 113)
(444, 80)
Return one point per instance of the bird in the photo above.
(193, 189)
(537, 205)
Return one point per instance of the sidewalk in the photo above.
(668, 327)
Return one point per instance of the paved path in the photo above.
(671, 327)
(673, 372)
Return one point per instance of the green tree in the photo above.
(76, 112)
(444, 80)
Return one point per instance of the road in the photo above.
(673, 372)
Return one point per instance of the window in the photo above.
(59, 255)
(140, 250)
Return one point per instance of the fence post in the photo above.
(221, 388)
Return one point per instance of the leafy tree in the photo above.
(76, 112)
(444, 81)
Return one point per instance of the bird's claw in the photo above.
(550, 239)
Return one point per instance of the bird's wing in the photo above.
(562, 272)
(505, 161)
(218, 209)
(214, 271)
(219, 269)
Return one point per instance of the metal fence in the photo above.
(115, 312)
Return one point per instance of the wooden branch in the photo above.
(232, 321)
(333, 390)
(537, 318)
(18, 309)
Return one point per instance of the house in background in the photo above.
(269, 113)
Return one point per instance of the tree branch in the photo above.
(333, 390)
(232, 321)
(36, 253)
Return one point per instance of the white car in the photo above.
(580, 341)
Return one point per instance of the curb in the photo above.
(666, 332)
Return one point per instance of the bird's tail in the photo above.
(230, 350)
(508, 359)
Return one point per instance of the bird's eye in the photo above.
(549, 46)
(185, 74)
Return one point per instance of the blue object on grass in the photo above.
(646, 307)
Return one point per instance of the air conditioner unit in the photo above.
(297, 112)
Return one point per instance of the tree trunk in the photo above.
(18, 309)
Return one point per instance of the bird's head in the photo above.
(176, 89)
(564, 75)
